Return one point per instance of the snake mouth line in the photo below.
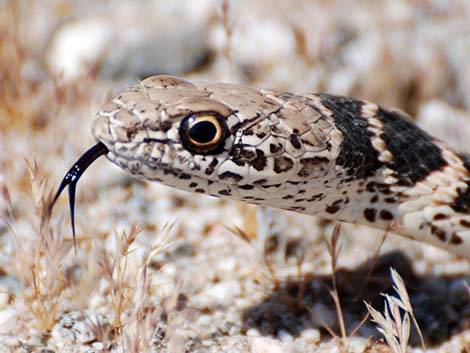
(73, 175)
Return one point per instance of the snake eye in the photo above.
(203, 134)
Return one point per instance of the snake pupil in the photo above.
(203, 132)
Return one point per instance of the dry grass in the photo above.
(47, 269)
(393, 324)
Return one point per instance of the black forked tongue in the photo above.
(74, 173)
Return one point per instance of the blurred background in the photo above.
(60, 60)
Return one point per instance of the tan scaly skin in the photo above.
(336, 157)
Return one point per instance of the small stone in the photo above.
(78, 327)
(266, 345)
(7, 320)
(311, 336)
(285, 336)
(222, 293)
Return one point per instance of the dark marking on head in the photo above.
(370, 214)
(246, 187)
(282, 164)
(317, 197)
(294, 139)
(293, 182)
(297, 208)
(439, 233)
(440, 217)
(193, 185)
(386, 215)
(170, 172)
(465, 223)
(230, 175)
(239, 162)
(268, 186)
(310, 164)
(165, 125)
(333, 208)
(384, 188)
(184, 176)
(225, 192)
(455, 239)
(275, 147)
(374, 199)
(240, 153)
(371, 187)
(287, 197)
(210, 169)
(260, 162)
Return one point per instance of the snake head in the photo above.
(73, 175)
(219, 139)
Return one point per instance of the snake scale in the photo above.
(337, 157)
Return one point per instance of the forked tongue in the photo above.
(74, 174)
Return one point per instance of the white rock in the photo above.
(311, 336)
(79, 45)
(222, 293)
(78, 327)
(7, 320)
(132, 39)
(266, 345)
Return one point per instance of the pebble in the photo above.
(267, 345)
(222, 293)
(78, 327)
(311, 336)
(154, 40)
(8, 319)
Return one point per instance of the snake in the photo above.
(336, 157)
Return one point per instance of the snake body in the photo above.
(337, 157)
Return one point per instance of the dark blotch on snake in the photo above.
(415, 155)
(357, 155)
(439, 233)
(260, 162)
(462, 202)
(311, 164)
(455, 239)
(210, 169)
(282, 164)
(370, 214)
(230, 175)
(386, 215)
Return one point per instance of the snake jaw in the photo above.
(73, 175)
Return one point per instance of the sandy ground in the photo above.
(159, 270)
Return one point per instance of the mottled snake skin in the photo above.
(336, 157)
